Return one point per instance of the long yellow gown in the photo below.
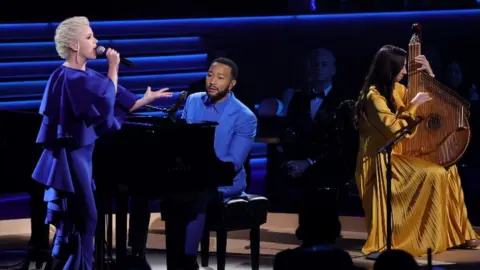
(428, 206)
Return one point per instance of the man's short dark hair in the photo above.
(230, 63)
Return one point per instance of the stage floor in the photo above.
(276, 235)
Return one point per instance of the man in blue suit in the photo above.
(237, 124)
(234, 135)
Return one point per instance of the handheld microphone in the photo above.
(101, 51)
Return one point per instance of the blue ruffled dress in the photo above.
(77, 107)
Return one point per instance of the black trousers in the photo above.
(178, 210)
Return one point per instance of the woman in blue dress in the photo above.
(79, 104)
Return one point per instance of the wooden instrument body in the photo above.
(444, 134)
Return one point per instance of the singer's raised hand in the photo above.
(162, 93)
(113, 57)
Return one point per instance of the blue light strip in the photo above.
(207, 25)
(170, 63)
(127, 47)
(19, 105)
(134, 83)
(258, 163)
(14, 198)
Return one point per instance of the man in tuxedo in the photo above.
(310, 112)
(309, 147)
(234, 137)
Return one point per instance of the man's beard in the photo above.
(218, 96)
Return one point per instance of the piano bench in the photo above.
(239, 213)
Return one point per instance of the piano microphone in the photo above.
(172, 109)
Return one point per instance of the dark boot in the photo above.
(191, 263)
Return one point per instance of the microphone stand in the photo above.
(387, 149)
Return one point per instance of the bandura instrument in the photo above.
(444, 134)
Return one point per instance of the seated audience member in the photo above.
(318, 230)
(395, 259)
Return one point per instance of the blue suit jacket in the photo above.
(234, 136)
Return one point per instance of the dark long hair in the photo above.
(386, 65)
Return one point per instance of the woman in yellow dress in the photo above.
(427, 200)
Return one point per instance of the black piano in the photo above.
(154, 156)
(157, 158)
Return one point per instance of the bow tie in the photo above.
(313, 95)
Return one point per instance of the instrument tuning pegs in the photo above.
(416, 29)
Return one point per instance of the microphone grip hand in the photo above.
(116, 58)
(113, 58)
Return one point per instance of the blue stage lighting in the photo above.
(169, 63)
(19, 105)
(134, 83)
(209, 25)
(19, 50)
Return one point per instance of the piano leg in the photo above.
(175, 243)
(139, 224)
(121, 228)
(109, 263)
(110, 234)
(103, 256)
(100, 237)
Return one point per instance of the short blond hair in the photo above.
(66, 32)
